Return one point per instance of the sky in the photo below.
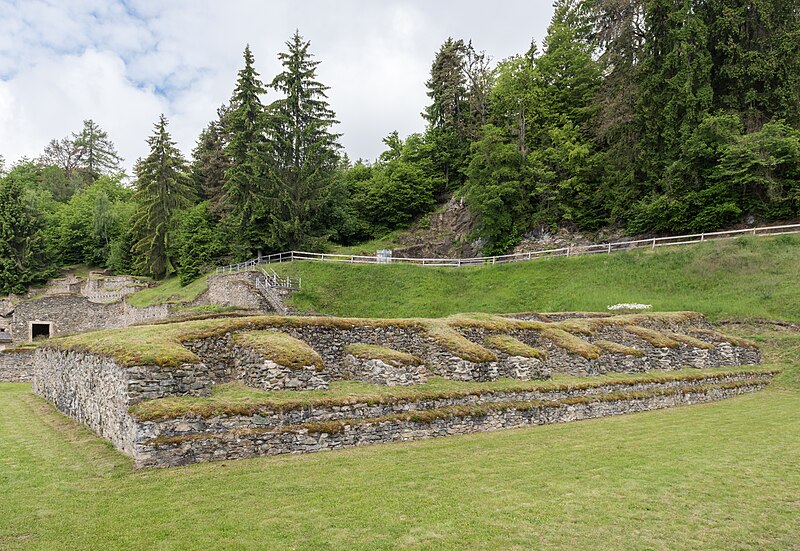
(123, 63)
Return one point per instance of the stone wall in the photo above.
(16, 366)
(68, 313)
(152, 451)
(97, 304)
(92, 390)
(236, 290)
(378, 372)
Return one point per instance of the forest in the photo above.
(654, 116)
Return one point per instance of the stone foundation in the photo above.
(100, 391)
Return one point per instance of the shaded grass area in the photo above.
(170, 291)
(715, 476)
(747, 277)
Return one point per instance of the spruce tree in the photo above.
(446, 115)
(245, 180)
(96, 152)
(303, 155)
(163, 188)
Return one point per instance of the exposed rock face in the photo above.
(444, 234)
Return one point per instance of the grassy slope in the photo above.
(750, 277)
(169, 291)
(723, 475)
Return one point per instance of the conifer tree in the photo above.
(446, 115)
(163, 187)
(209, 164)
(245, 180)
(96, 152)
(303, 155)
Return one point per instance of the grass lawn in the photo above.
(747, 277)
(723, 475)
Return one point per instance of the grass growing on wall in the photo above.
(747, 277)
(713, 476)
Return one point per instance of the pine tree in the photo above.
(163, 187)
(96, 152)
(245, 180)
(303, 155)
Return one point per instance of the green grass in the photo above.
(748, 277)
(281, 348)
(714, 476)
(170, 291)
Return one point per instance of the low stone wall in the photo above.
(255, 371)
(262, 441)
(16, 366)
(379, 372)
(296, 414)
(91, 389)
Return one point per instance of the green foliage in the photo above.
(210, 163)
(26, 254)
(96, 154)
(197, 242)
(302, 156)
(92, 221)
(245, 184)
(163, 188)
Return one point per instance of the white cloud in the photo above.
(124, 63)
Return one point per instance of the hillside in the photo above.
(748, 277)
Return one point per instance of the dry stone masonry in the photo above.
(109, 387)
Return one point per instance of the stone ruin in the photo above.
(110, 389)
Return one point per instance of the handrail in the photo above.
(572, 250)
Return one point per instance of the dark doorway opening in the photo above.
(40, 331)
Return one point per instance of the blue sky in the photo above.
(123, 63)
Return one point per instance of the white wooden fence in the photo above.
(605, 248)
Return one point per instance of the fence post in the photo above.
(569, 250)
(654, 243)
(609, 248)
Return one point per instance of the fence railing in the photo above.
(272, 280)
(572, 250)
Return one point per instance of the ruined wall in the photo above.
(91, 389)
(236, 290)
(69, 314)
(16, 366)
(154, 449)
